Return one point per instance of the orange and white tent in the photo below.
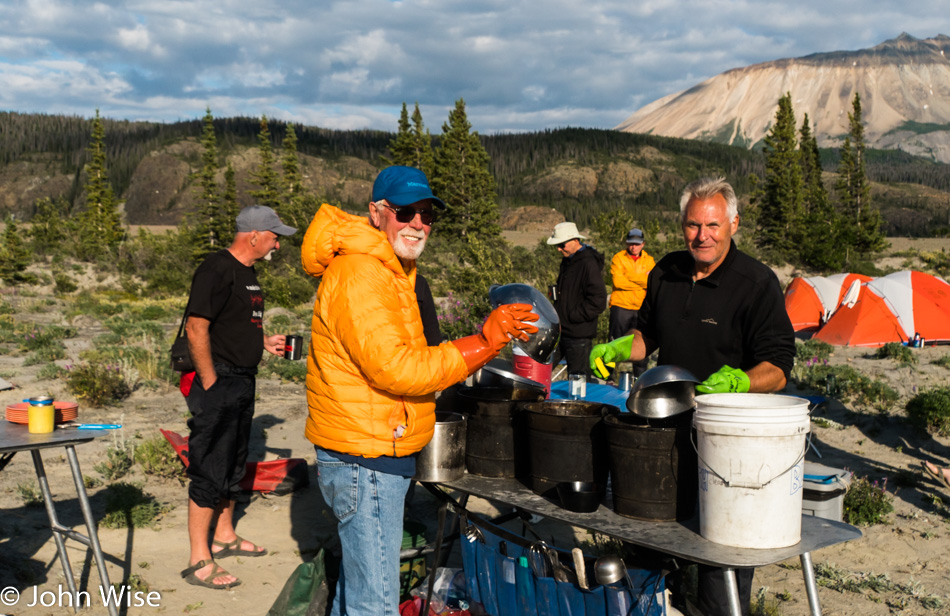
(811, 301)
(892, 308)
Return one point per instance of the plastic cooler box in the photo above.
(825, 488)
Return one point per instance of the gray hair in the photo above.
(707, 188)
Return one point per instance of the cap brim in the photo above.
(283, 230)
(408, 198)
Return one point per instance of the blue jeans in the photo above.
(369, 507)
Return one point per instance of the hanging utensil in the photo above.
(558, 570)
(580, 568)
(537, 560)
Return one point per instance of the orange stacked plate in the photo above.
(65, 411)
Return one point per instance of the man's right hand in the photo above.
(610, 353)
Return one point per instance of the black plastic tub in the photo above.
(653, 467)
(490, 435)
(566, 443)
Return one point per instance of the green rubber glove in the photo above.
(724, 381)
(609, 354)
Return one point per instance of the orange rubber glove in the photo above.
(503, 324)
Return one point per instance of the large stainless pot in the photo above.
(443, 459)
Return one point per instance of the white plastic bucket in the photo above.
(751, 468)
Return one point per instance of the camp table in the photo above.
(678, 539)
(17, 437)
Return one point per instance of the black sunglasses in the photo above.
(405, 213)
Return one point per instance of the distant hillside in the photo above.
(904, 85)
(578, 172)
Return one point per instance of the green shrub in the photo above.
(6, 307)
(904, 355)
(30, 494)
(813, 349)
(867, 503)
(127, 506)
(157, 457)
(117, 464)
(943, 362)
(287, 371)
(64, 284)
(45, 355)
(456, 318)
(127, 327)
(846, 382)
(49, 372)
(97, 384)
(930, 411)
(39, 337)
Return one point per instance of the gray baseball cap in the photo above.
(261, 218)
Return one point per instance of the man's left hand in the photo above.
(275, 344)
(725, 380)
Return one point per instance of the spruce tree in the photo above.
(463, 181)
(412, 145)
(299, 207)
(14, 255)
(780, 201)
(863, 221)
(819, 234)
(48, 226)
(100, 228)
(210, 223)
(229, 205)
(423, 157)
(266, 175)
(401, 146)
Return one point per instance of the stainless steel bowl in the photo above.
(663, 391)
(541, 345)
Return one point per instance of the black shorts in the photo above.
(220, 427)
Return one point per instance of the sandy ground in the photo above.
(911, 550)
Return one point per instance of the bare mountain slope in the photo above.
(904, 85)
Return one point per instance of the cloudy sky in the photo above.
(519, 64)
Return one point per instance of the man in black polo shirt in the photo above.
(718, 313)
(226, 340)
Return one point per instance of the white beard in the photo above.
(409, 250)
(269, 255)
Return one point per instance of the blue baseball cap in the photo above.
(401, 185)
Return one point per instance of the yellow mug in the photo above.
(41, 415)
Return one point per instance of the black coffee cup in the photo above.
(292, 347)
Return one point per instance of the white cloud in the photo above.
(519, 64)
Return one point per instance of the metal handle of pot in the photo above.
(745, 484)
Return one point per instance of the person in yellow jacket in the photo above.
(371, 378)
(629, 270)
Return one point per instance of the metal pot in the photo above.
(443, 459)
(663, 391)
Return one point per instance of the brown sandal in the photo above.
(233, 548)
(216, 571)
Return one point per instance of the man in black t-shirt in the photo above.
(226, 338)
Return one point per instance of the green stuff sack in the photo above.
(306, 591)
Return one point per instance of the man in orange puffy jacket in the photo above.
(629, 270)
(371, 378)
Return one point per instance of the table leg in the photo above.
(440, 535)
(732, 590)
(811, 587)
(91, 528)
(53, 521)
